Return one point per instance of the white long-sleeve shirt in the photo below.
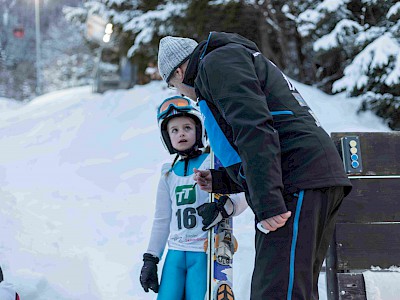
(176, 220)
(7, 291)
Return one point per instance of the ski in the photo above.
(221, 246)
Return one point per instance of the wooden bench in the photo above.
(368, 227)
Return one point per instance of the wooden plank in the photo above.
(379, 150)
(372, 200)
(351, 286)
(360, 246)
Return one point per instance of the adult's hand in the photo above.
(204, 179)
(276, 222)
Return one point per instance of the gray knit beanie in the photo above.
(172, 52)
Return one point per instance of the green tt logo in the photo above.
(185, 194)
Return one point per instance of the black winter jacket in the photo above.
(259, 126)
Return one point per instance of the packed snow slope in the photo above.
(78, 177)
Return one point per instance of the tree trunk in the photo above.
(266, 42)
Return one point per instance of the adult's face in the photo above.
(176, 83)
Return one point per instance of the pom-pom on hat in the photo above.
(172, 53)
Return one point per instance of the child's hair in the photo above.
(172, 165)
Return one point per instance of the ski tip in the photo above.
(224, 292)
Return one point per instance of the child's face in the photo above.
(182, 132)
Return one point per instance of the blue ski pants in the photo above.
(184, 276)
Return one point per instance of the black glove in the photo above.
(212, 213)
(148, 275)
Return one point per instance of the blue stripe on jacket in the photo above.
(218, 141)
(282, 112)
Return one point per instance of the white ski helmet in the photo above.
(180, 106)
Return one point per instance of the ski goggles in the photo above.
(177, 103)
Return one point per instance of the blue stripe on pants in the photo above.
(293, 247)
(184, 272)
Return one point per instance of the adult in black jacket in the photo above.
(272, 147)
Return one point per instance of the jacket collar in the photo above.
(215, 40)
(193, 65)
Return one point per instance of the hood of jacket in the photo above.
(215, 40)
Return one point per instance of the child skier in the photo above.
(176, 220)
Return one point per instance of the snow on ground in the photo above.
(7, 104)
(78, 175)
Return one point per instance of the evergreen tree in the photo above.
(18, 52)
(68, 59)
(17, 74)
(356, 44)
(141, 27)
(343, 45)
(272, 25)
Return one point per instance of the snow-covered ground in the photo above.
(78, 176)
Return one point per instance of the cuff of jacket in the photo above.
(270, 211)
(223, 184)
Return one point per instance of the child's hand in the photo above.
(204, 179)
(212, 213)
(148, 274)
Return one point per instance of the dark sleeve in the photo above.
(228, 79)
(223, 184)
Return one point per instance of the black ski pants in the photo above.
(288, 261)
